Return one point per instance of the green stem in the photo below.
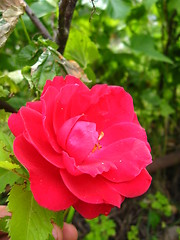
(20, 175)
(70, 215)
(25, 30)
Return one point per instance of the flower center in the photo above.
(97, 146)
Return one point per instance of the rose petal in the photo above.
(96, 168)
(62, 106)
(57, 83)
(90, 211)
(36, 105)
(16, 124)
(113, 108)
(70, 165)
(65, 130)
(36, 136)
(91, 190)
(81, 140)
(46, 183)
(48, 100)
(129, 155)
(135, 119)
(92, 169)
(122, 131)
(135, 187)
(69, 79)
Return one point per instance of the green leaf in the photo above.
(15, 76)
(174, 4)
(3, 224)
(153, 219)
(165, 108)
(5, 161)
(81, 49)
(145, 44)
(9, 83)
(45, 68)
(4, 117)
(6, 152)
(7, 177)
(3, 92)
(42, 8)
(50, 64)
(148, 3)
(11, 11)
(118, 8)
(29, 221)
(47, 42)
(101, 228)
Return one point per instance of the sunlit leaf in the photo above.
(148, 3)
(29, 221)
(5, 161)
(42, 8)
(9, 83)
(7, 177)
(3, 92)
(118, 8)
(81, 49)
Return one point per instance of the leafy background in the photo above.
(132, 43)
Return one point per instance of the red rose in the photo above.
(82, 147)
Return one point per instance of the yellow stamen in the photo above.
(97, 146)
(101, 136)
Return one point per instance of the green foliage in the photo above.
(145, 44)
(7, 177)
(87, 50)
(178, 231)
(118, 8)
(3, 224)
(153, 219)
(29, 221)
(134, 44)
(133, 233)
(158, 206)
(101, 228)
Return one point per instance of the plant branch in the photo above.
(166, 161)
(37, 22)
(66, 9)
(7, 107)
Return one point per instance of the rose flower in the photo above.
(82, 147)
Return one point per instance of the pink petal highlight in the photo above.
(81, 140)
(65, 130)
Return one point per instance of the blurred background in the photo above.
(131, 43)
